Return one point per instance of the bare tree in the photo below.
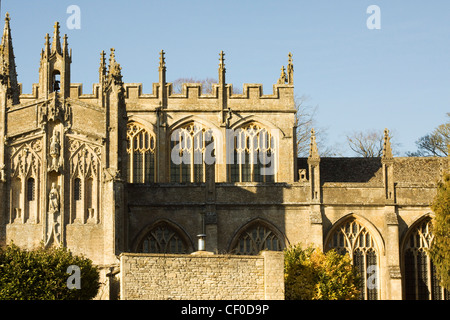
(305, 121)
(435, 144)
(207, 83)
(177, 85)
(368, 144)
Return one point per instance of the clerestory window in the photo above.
(141, 149)
(254, 155)
(191, 148)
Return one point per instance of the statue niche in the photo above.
(55, 152)
(53, 223)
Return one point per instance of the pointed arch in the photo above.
(193, 118)
(357, 237)
(163, 236)
(253, 155)
(255, 236)
(141, 150)
(421, 280)
(193, 142)
(256, 119)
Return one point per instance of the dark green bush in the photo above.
(41, 274)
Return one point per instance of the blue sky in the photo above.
(397, 77)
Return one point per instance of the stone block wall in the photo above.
(201, 276)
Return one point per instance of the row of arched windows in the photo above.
(193, 146)
(350, 237)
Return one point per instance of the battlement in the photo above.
(191, 96)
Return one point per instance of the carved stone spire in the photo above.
(162, 60)
(46, 50)
(313, 151)
(114, 69)
(387, 150)
(66, 46)
(222, 69)
(282, 79)
(102, 68)
(290, 70)
(56, 44)
(162, 69)
(8, 72)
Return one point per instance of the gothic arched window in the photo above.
(421, 281)
(191, 148)
(77, 189)
(31, 189)
(255, 238)
(163, 238)
(254, 155)
(354, 239)
(141, 146)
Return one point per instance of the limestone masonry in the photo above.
(133, 180)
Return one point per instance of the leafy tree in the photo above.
(434, 144)
(311, 274)
(440, 250)
(41, 274)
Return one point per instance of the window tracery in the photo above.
(421, 280)
(355, 240)
(192, 146)
(141, 149)
(24, 193)
(254, 155)
(255, 238)
(85, 161)
(163, 238)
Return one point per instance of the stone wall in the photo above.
(201, 276)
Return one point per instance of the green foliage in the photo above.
(440, 249)
(311, 274)
(41, 275)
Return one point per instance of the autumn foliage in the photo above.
(311, 274)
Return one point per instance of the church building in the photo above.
(119, 170)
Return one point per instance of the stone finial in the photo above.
(283, 77)
(8, 64)
(387, 150)
(65, 45)
(290, 70)
(114, 70)
(56, 44)
(162, 61)
(102, 68)
(222, 69)
(47, 44)
(222, 59)
(313, 151)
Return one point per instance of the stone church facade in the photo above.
(119, 170)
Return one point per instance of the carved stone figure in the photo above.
(55, 149)
(53, 200)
